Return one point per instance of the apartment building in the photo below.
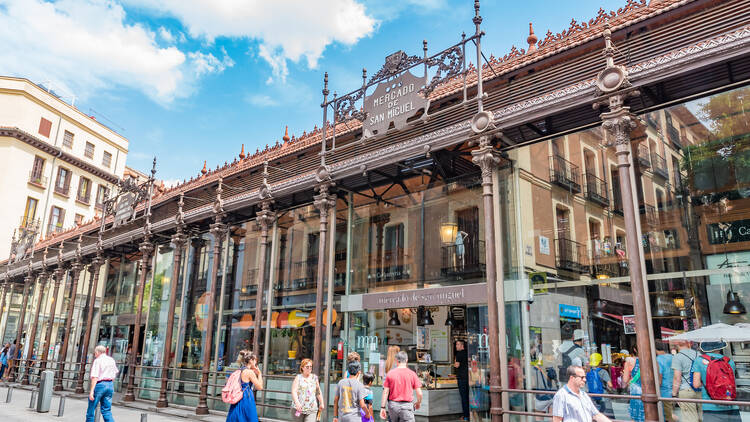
(58, 163)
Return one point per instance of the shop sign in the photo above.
(438, 296)
(393, 101)
(570, 311)
(538, 282)
(125, 208)
(728, 232)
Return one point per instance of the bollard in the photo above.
(33, 399)
(44, 397)
(97, 415)
(61, 407)
(144, 417)
(10, 393)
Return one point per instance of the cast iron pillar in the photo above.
(6, 286)
(218, 231)
(179, 239)
(147, 250)
(42, 281)
(15, 363)
(488, 159)
(324, 201)
(93, 283)
(265, 219)
(613, 88)
(76, 273)
(59, 275)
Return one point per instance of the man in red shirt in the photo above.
(398, 389)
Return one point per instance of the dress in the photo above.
(636, 406)
(244, 410)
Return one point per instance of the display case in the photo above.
(435, 375)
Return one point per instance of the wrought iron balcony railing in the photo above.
(84, 198)
(37, 179)
(659, 165)
(644, 158)
(464, 261)
(62, 190)
(674, 136)
(564, 173)
(650, 214)
(570, 255)
(596, 190)
(616, 197)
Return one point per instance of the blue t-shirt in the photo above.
(665, 369)
(701, 366)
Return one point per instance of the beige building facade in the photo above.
(57, 162)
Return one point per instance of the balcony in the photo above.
(652, 120)
(570, 255)
(463, 261)
(62, 190)
(650, 214)
(616, 197)
(644, 158)
(565, 174)
(54, 228)
(36, 179)
(84, 198)
(659, 165)
(674, 136)
(596, 190)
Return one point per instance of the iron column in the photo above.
(59, 275)
(147, 249)
(487, 158)
(43, 276)
(19, 331)
(94, 270)
(323, 202)
(76, 269)
(264, 219)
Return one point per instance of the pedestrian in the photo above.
(717, 377)
(598, 381)
(462, 376)
(683, 364)
(350, 396)
(399, 388)
(390, 360)
(542, 381)
(368, 415)
(572, 404)
(103, 372)
(631, 376)
(251, 380)
(572, 353)
(307, 398)
(664, 361)
(4, 359)
(12, 352)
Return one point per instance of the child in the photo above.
(367, 380)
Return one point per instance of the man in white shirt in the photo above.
(572, 404)
(103, 372)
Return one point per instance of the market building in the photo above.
(491, 204)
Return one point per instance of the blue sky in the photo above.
(192, 80)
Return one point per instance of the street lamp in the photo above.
(448, 232)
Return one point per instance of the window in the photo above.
(68, 139)
(79, 219)
(37, 172)
(101, 195)
(62, 184)
(89, 152)
(45, 127)
(30, 212)
(107, 159)
(84, 190)
(56, 218)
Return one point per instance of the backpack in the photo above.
(232, 391)
(566, 362)
(720, 383)
(594, 382)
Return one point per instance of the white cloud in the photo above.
(87, 45)
(285, 29)
(261, 100)
(166, 35)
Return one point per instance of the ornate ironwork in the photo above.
(130, 194)
(395, 64)
(450, 61)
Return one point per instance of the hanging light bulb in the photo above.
(394, 319)
(449, 321)
(733, 305)
(427, 318)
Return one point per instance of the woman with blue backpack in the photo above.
(631, 375)
(598, 381)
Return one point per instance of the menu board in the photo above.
(439, 344)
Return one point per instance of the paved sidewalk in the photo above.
(75, 410)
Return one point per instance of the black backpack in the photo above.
(566, 362)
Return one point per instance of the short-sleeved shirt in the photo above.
(350, 392)
(572, 407)
(665, 369)
(104, 368)
(682, 362)
(401, 383)
(575, 351)
(701, 366)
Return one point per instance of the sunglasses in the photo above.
(579, 376)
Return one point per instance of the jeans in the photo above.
(2, 370)
(102, 396)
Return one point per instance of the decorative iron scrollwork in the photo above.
(450, 61)
(346, 107)
(394, 64)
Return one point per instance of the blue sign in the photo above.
(570, 311)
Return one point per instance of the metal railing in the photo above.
(84, 198)
(62, 190)
(570, 255)
(37, 179)
(564, 173)
(644, 158)
(464, 260)
(659, 165)
(596, 190)
(616, 197)
(650, 214)
(674, 136)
